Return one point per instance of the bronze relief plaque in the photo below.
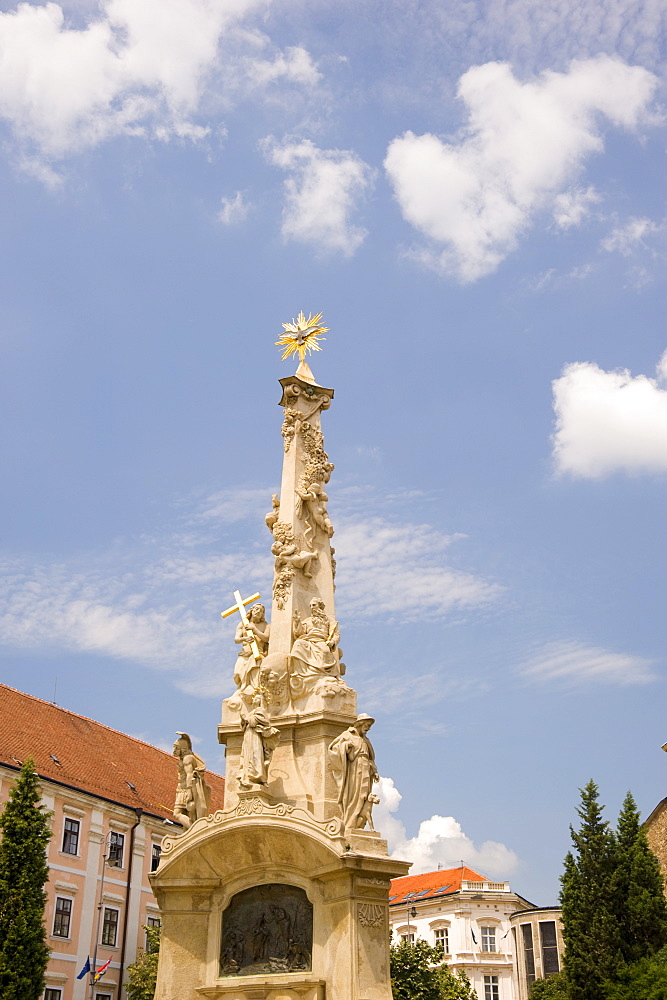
(265, 929)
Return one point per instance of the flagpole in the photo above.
(99, 915)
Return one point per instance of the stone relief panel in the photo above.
(371, 914)
(266, 929)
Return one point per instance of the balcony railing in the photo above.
(485, 886)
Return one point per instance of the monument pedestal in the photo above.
(270, 886)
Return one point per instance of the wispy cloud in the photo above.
(609, 421)
(439, 841)
(322, 191)
(156, 600)
(630, 236)
(233, 209)
(400, 569)
(522, 148)
(574, 663)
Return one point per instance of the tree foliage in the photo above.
(142, 974)
(642, 980)
(552, 988)
(26, 831)
(590, 919)
(639, 889)
(417, 974)
(614, 909)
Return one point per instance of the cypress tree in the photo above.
(639, 889)
(590, 922)
(26, 831)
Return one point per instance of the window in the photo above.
(550, 964)
(116, 844)
(71, 836)
(50, 993)
(153, 922)
(156, 851)
(527, 932)
(488, 938)
(491, 988)
(442, 939)
(410, 938)
(62, 916)
(110, 927)
(102, 996)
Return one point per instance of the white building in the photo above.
(468, 917)
(110, 795)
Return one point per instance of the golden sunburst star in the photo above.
(302, 335)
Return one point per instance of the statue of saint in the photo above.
(353, 764)
(314, 653)
(259, 741)
(246, 670)
(193, 795)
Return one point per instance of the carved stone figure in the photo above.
(288, 558)
(247, 669)
(259, 741)
(314, 653)
(313, 498)
(353, 764)
(193, 795)
(272, 516)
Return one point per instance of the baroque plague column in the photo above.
(283, 894)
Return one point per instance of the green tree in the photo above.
(455, 986)
(552, 988)
(590, 921)
(143, 973)
(26, 831)
(416, 974)
(642, 980)
(639, 889)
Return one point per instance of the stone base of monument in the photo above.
(266, 902)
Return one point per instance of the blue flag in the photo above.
(85, 969)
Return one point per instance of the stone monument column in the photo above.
(283, 894)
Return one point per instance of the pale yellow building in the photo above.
(111, 796)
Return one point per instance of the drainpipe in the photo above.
(128, 886)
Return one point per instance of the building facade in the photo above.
(468, 918)
(537, 941)
(112, 798)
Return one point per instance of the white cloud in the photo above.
(439, 841)
(137, 67)
(294, 64)
(522, 147)
(575, 663)
(571, 207)
(629, 237)
(609, 421)
(321, 193)
(374, 553)
(233, 210)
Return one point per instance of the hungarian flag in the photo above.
(85, 969)
(102, 969)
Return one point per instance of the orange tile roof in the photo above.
(430, 884)
(91, 757)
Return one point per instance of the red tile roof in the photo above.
(91, 757)
(430, 884)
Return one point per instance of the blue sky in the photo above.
(474, 196)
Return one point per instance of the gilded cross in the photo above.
(240, 607)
